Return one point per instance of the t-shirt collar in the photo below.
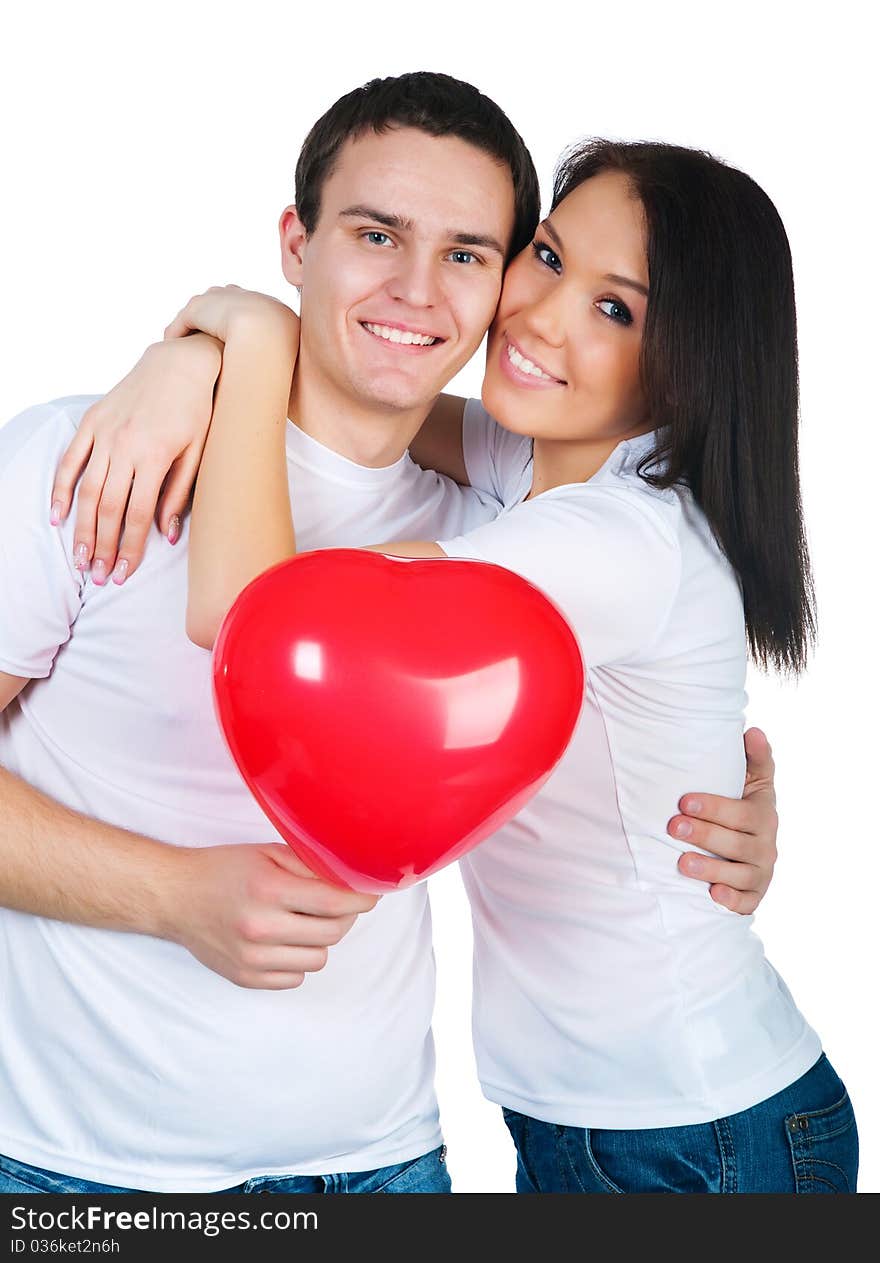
(627, 456)
(309, 453)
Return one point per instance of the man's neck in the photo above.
(366, 434)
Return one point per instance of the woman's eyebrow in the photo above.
(626, 280)
(552, 233)
(614, 277)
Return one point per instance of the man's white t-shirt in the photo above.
(124, 1060)
(609, 990)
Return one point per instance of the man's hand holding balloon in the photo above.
(256, 914)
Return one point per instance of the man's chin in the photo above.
(398, 396)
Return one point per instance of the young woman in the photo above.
(643, 365)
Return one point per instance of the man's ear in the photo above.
(293, 239)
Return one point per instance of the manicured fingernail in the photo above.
(81, 557)
(683, 829)
(174, 529)
(693, 806)
(120, 572)
(55, 515)
(99, 573)
(694, 865)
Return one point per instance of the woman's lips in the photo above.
(517, 366)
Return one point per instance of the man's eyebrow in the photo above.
(609, 276)
(380, 217)
(477, 239)
(406, 225)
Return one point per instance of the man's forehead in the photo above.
(407, 176)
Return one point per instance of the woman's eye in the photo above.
(377, 238)
(463, 256)
(547, 256)
(615, 310)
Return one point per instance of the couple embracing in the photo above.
(187, 1008)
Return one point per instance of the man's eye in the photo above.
(547, 256)
(615, 310)
(463, 256)
(377, 238)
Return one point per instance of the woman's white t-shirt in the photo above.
(609, 990)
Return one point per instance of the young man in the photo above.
(130, 1059)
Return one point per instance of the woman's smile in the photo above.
(522, 369)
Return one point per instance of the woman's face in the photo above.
(563, 356)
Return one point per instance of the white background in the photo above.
(147, 152)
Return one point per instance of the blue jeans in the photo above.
(802, 1140)
(427, 1174)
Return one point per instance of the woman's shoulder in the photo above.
(626, 487)
(634, 467)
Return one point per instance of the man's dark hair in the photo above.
(433, 103)
(719, 370)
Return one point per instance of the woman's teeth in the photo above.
(400, 335)
(526, 366)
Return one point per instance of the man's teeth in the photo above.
(526, 366)
(400, 335)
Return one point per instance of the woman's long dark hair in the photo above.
(719, 371)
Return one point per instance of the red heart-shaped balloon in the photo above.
(389, 714)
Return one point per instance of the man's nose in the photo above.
(416, 280)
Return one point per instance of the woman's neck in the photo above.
(557, 462)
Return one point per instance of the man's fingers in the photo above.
(69, 469)
(730, 813)
(733, 844)
(751, 814)
(322, 898)
(740, 848)
(759, 757)
(318, 898)
(742, 901)
(321, 931)
(287, 859)
(279, 958)
(741, 877)
(288, 931)
(278, 981)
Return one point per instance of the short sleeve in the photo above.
(41, 590)
(607, 558)
(496, 460)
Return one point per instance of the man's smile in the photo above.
(401, 337)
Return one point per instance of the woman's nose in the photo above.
(547, 319)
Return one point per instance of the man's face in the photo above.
(402, 274)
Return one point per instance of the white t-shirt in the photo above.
(611, 991)
(124, 1060)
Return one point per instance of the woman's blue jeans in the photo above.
(802, 1140)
